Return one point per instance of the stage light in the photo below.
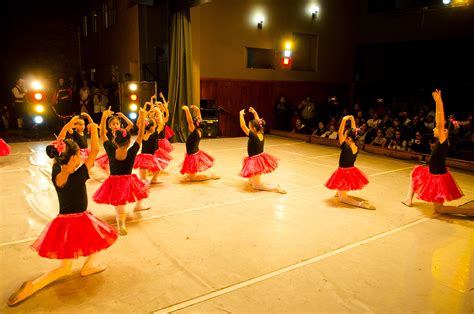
(260, 20)
(313, 10)
(39, 108)
(133, 107)
(133, 87)
(133, 97)
(446, 1)
(132, 115)
(38, 96)
(38, 119)
(286, 61)
(288, 45)
(287, 53)
(36, 85)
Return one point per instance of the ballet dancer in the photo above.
(75, 232)
(434, 183)
(348, 177)
(258, 162)
(196, 160)
(122, 187)
(147, 160)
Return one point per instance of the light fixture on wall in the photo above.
(260, 20)
(314, 9)
(446, 2)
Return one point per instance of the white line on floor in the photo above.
(284, 270)
(270, 194)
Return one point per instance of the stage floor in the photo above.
(218, 246)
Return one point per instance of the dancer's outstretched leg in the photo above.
(91, 266)
(202, 177)
(257, 185)
(440, 208)
(30, 287)
(344, 198)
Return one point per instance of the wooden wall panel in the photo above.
(233, 95)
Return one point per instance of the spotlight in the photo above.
(287, 53)
(39, 108)
(446, 2)
(38, 119)
(36, 85)
(38, 96)
(133, 97)
(260, 20)
(132, 115)
(133, 87)
(288, 45)
(314, 9)
(133, 107)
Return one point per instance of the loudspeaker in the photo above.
(211, 129)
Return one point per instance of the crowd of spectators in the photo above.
(394, 126)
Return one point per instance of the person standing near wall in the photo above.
(19, 103)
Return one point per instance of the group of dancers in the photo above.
(76, 232)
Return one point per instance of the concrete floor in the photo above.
(218, 246)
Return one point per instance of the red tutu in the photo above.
(169, 133)
(85, 153)
(147, 161)
(121, 189)
(4, 148)
(163, 158)
(347, 179)
(74, 235)
(197, 162)
(258, 164)
(103, 161)
(165, 145)
(437, 188)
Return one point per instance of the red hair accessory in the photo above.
(124, 132)
(147, 122)
(60, 146)
(454, 122)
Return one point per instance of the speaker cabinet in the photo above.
(211, 129)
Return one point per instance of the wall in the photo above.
(118, 45)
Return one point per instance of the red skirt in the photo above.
(347, 179)
(164, 144)
(74, 235)
(163, 158)
(4, 148)
(147, 161)
(258, 164)
(103, 162)
(121, 190)
(197, 162)
(169, 133)
(85, 153)
(437, 188)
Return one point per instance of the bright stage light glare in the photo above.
(446, 1)
(133, 87)
(38, 119)
(288, 45)
(38, 96)
(132, 115)
(287, 53)
(133, 97)
(133, 107)
(39, 108)
(36, 85)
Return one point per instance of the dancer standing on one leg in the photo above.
(348, 177)
(258, 162)
(146, 160)
(75, 231)
(122, 187)
(195, 160)
(434, 183)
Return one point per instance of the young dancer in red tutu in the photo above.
(122, 187)
(4, 148)
(113, 123)
(75, 232)
(78, 135)
(146, 160)
(258, 162)
(196, 160)
(169, 133)
(348, 177)
(434, 183)
(166, 133)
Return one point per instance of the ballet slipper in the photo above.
(154, 181)
(214, 176)
(141, 207)
(279, 189)
(92, 269)
(407, 203)
(366, 205)
(122, 229)
(21, 294)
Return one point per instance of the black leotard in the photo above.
(438, 155)
(73, 195)
(254, 144)
(192, 142)
(347, 158)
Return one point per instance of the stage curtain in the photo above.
(180, 80)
